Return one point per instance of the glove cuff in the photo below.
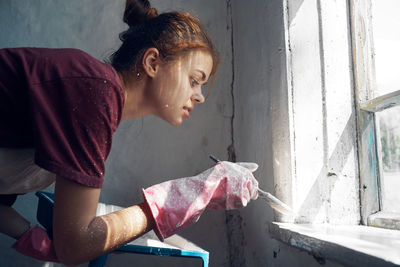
(35, 243)
(154, 212)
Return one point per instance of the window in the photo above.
(376, 43)
(328, 162)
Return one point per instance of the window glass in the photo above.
(389, 129)
(386, 32)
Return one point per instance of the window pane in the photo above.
(389, 127)
(386, 25)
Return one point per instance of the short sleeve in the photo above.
(74, 121)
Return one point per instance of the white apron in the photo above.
(19, 174)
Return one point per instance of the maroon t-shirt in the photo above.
(63, 103)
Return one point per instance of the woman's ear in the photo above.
(151, 61)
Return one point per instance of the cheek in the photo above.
(185, 89)
(175, 90)
(180, 93)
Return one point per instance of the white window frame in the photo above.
(342, 48)
(367, 105)
(350, 177)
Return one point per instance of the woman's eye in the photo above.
(194, 82)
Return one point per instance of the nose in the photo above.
(197, 96)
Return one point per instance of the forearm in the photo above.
(106, 233)
(124, 225)
(11, 223)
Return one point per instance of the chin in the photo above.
(175, 122)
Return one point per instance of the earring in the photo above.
(138, 74)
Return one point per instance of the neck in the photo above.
(135, 105)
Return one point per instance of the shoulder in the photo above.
(69, 55)
(37, 53)
(71, 62)
(49, 64)
(62, 62)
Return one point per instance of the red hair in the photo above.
(172, 33)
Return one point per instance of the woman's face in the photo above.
(178, 86)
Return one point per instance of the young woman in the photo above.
(58, 111)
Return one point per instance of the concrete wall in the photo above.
(294, 115)
(257, 69)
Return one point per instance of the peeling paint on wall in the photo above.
(233, 218)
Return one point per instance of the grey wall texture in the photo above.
(250, 38)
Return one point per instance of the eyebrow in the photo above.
(203, 75)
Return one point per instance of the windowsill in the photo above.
(383, 219)
(350, 245)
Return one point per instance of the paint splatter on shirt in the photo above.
(63, 103)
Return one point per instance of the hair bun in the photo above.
(138, 11)
(152, 13)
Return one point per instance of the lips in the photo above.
(186, 111)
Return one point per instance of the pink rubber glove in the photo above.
(178, 203)
(36, 243)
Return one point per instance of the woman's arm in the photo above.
(12, 223)
(79, 235)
